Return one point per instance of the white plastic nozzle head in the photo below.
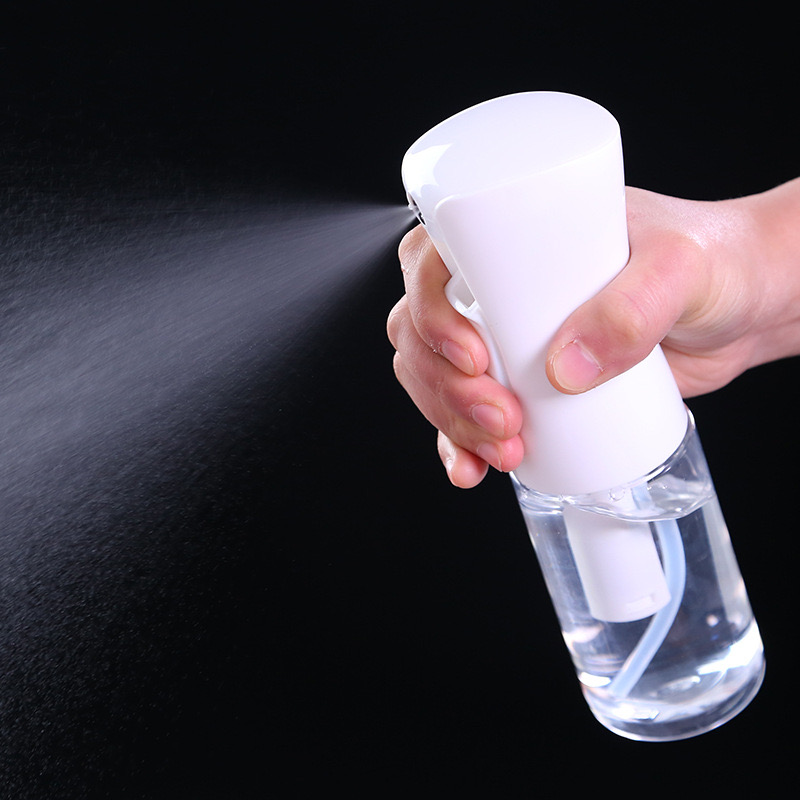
(501, 140)
(524, 198)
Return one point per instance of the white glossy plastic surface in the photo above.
(619, 566)
(523, 196)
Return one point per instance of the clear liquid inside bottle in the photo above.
(697, 659)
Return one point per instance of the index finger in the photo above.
(438, 324)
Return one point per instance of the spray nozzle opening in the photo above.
(412, 204)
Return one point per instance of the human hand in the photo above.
(715, 283)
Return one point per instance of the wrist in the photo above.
(775, 259)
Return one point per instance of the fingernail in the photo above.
(447, 453)
(458, 356)
(490, 454)
(490, 418)
(574, 368)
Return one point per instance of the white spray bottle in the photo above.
(523, 197)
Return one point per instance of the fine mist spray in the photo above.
(524, 198)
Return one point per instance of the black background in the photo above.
(321, 610)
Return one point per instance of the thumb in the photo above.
(618, 327)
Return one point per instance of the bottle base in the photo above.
(706, 702)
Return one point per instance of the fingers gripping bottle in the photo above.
(523, 197)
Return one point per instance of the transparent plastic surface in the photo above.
(698, 659)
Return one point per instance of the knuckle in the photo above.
(398, 366)
(440, 387)
(629, 316)
(409, 245)
(395, 320)
(640, 312)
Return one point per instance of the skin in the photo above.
(716, 283)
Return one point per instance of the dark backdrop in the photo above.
(313, 608)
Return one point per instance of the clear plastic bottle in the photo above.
(696, 661)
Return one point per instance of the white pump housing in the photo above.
(524, 198)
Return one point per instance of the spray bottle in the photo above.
(524, 198)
